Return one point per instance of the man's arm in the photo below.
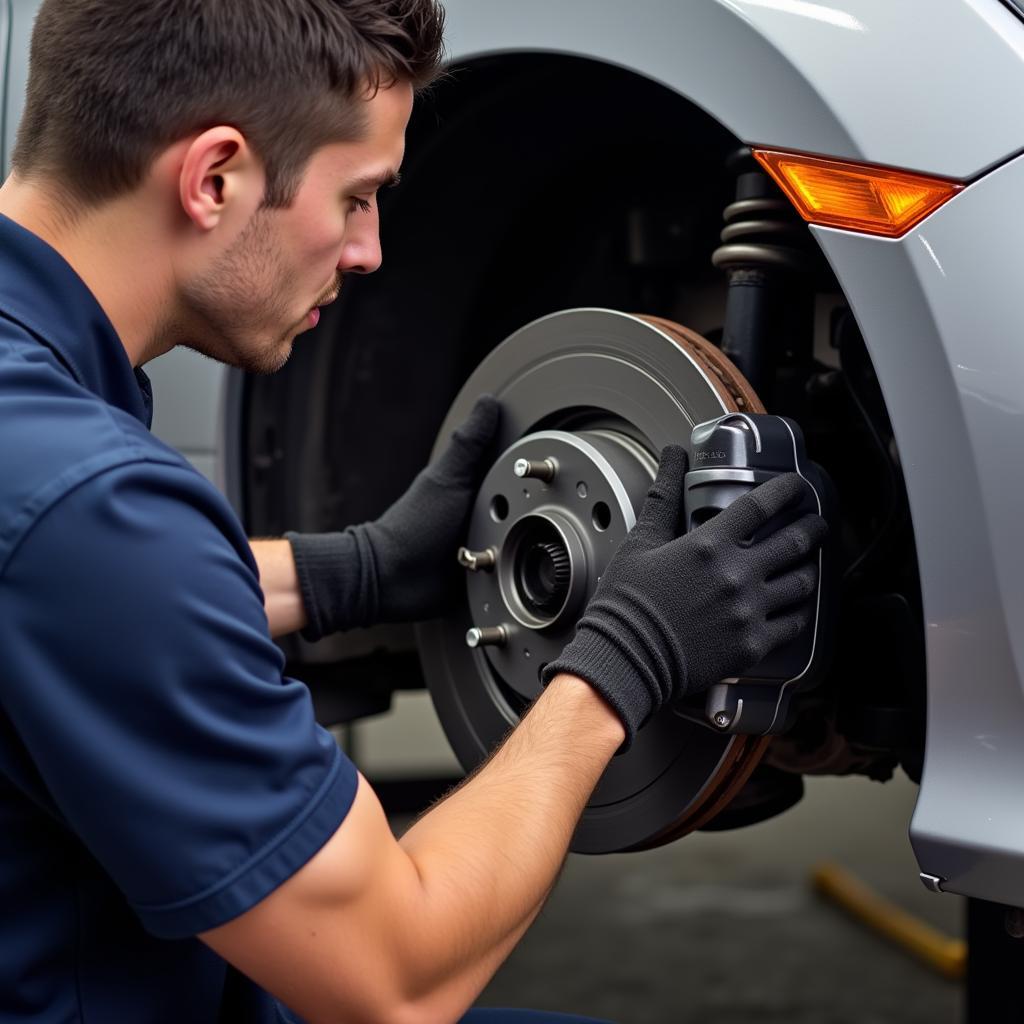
(377, 930)
(280, 583)
(374, 930)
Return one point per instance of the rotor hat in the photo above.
(554, 538)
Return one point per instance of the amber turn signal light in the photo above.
(857, 197)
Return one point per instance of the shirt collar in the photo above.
(40, 291)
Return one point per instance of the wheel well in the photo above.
(536, 183)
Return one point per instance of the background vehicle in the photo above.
(582, 155)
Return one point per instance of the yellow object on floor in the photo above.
(940, 952)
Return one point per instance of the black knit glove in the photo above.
(674, 614)
(401, 567)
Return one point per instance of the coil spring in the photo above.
(762, 231)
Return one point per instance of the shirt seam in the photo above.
(42, 337)
(68, 364)
(41, 503)
(269, 848)
(133, 451)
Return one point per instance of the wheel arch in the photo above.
(792, 73)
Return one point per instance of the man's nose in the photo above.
(362, 252)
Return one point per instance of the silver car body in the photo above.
(916, 84)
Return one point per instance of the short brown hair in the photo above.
(113, 82)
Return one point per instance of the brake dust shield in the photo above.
(596, 394)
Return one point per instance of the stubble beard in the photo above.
(225, 314)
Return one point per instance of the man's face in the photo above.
(248, 305)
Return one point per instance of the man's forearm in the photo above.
(373, 930)
(490, 853)
(280, 582)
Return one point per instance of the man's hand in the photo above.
(675, 614)
(402, 567)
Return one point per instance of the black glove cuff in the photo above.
(610, 670)
(337, 579)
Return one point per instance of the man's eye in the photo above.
(363, 205)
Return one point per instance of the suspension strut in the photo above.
(763, 252)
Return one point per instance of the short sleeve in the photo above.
(143, 683)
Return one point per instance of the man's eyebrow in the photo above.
(387, 179)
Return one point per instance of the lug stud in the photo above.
(542, 470)
(474, 561)
(488, 636)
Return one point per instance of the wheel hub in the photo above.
(551, 512)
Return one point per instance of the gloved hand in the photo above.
(674, 614)
(401, 567)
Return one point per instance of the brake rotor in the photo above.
(589, 397)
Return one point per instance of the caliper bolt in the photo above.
(474, 561)
(723, 719)
(543, 470)
(488, 636)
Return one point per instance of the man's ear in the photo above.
(220, 175)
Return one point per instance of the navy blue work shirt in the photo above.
(158, 776)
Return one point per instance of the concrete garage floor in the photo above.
(724, 928)
(721, 928)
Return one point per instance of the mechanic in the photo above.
(179, 840)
